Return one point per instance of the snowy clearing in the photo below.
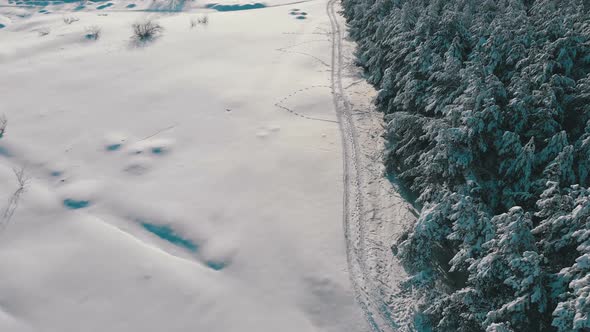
(192, 180)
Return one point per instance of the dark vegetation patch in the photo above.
(488, 121)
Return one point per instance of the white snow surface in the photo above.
(223, 134)
(26, 8)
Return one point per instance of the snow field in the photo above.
(167, 189)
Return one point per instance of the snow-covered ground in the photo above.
(193, 182)
(47, 7)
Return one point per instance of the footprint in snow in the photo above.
(155, 147)
(114, 142)
(79, 194)
(298, 14)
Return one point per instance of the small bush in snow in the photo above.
(203, 20)
(92, 33)
(8, 211)
(146, 31)
(3, 123)
(70, 19)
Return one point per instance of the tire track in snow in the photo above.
(368, 295)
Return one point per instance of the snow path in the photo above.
(374, 212)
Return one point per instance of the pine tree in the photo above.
(472, 226)
(487, 106)
(573, 311)
(510, 274)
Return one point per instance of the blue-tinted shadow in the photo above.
(166, 233)
(107, 5)
(229, 8)
(73, 204)
(4, 152)
(216, 265)
(112, 147)
(158, 150)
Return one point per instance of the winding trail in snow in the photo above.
(373, 213)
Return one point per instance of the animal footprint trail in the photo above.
(300, 15)
(306, 54)
(303, 43)
(280, 104)
(286, 49)
(303, 116)
(140, 153)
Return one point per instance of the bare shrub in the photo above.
(93, 32)
(203, 20)
(44, 32)
(146, 31)
(70, 19)
(22, 180)
(3, 124)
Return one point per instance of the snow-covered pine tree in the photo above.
(509, 276)
(487, 106)
(472, 227)
(572, 313)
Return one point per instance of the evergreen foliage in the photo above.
(488, 111)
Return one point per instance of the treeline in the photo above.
(488, 111)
